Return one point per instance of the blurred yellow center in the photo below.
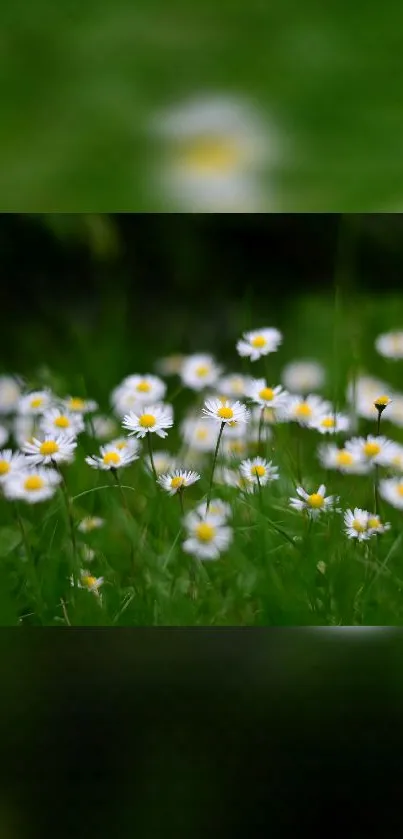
(258, 342)
(111, 458)
(267, 394)
(147, 420)
(4, 467)
(202, 370)
(62, 421)
(382, 401)
(268, 415)
(225, 413)
(121, 445)
(315, 500)
(303, 410)
(48, 447)
(33, 483)
(399, 489)
(37, 402)
(236, 446)
(328, 422)
(201, 434)
(76, 404)
(259, 471)
(205, 532)
(143, 387)
(89, 581)
(371, 449)
(210, 155)
(374, 522)
(356, 525)
(344, 458)
(176, 482)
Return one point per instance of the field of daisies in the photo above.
(204, 496)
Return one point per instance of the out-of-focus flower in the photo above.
(343, 460)
(10, 392)
(391, 489)
(137, 390)
(90, 523)
(31, 484)
(313, 504)
(303, 376)
(362, 393)
(178, 480)
(154, 419)
(10, 462)
(207, 537)
(4, 435)
(331, 423)
(199, 371)
(258, 342)
(390, 344)
(305, 410)
(58, 448)
(372, 449)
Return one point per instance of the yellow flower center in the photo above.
(205, 532)
(121, 445)
(258, 342)
(237, 385)
(37, 402)
(88, 581)
(236, 446)
(202, 370)
(382, 401)
(371, 449)
(76, 404)
(267, 394)
(147, 420)
(33, 483)
(201, 434)
(176, 482)
(316, 500)
(111, 457)
(344, 458)
(303, 410)
(356, 525)
(48, 447)
(62, 421)
(225, 413)
(328, 422)
(210, 155)
(399, 489)
(259, 471)
(143, 386)
(4, 467)
(374, 522)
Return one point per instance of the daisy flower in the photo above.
(178, 480)
(199, 371)
(35, 403)
(305, 410)
(23, 429)
(313, 504)
(206, 537)
(4, 435)
(303, 376)
(356, 524)
(331, 423)
(10, 462)
(395, 457)
(89, 523)
(258, 471)
(75, 404)
(395, 412)
(233, 478)
(200, 435)
(390, 344)
(382, 402)
(87, 581)
(103, 427)
(234, 385)
(343, 460)
(362, 393)
(225, 411)
(372, 449)
(31, 484)
(375, 525)
(153, 420)
(266, 397)
(10, 392)
(170, 365)
(57, 420)
(125, 444)
(259, 342)
(111, 458)
(163, 462)
(219, 511)
(138, 389)
(391, 490)
(58, 448)
(234, 447)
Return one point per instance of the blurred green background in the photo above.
(82, 83)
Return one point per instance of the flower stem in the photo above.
(260, 431)
(150, 451)
(119, 485)
(214, 463)
(30, 560)
(70, 519)
(180, 494)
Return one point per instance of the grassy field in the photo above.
(279, 568)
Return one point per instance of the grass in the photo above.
(279, 569)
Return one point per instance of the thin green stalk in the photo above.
(261, 418)
(30, 560)
(67, 502)
(150, 451)
(180, 494)
(214, 463)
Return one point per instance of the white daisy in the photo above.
(137, 390)
(75, 404)
(391, 489)
(372, 449)
(89, 582)
(233, 478)
(305, 410)
(259, 342)
(124, 444)
(199, 371)
(258, 471)
(23, 428)
(395, 457)
(356, 524)
(4, 435)
(219, 511)
(362, 393)
(10, 462)
(35, 403)
(57, 420)
(90, 523)
(268, 416)
(234, 385)
(163, 462)
(303, 376)
(331, 423)
(111, 458)
(266, 397)
(58, 448)
(177, 480)
(207, 538)
(199, 435)
(390, 344)
(331, 457)
(10, 392)
(103, 427)
(313, 504)
(31, 484)
(376, 526)
(234, 448)
(154, 419)
(225, 411)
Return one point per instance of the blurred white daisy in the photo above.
(331, 457)
(234, 385)
(88, 581)
(4, 435)
(233, 478)
(306, 410)
(390, 344)
(257, 470)
(362, 392)
(77, 404)
(32, 484)
(391, 490)
(58, 448)
(170, 365)
(219, 511)
(177, 480)
(303, 376)
(376, 526)
(199, 371)
(35, 403)
(10, 462)
(234, 448)
(137, 390)
(87, 554)
(199, 435)
(371, 448)
(23, 428)
(395, 457)
(10, 392)
(163, 462)
(89, 523)
(356, 524)
(207, 538)
(225, 411)
(111, 458)
(395, 410)
(258, 342)
(57, 420)
(266, 397)
(154, 419)
(331, 423)
(315, 503)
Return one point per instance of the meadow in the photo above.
(112, 546)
